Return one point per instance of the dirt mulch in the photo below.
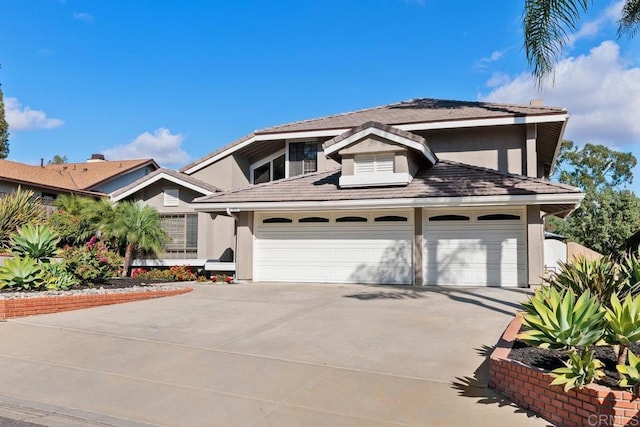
(551, 359)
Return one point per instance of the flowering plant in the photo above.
(92, 262)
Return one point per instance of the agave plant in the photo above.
(580, 369)
(557, 319)
(623, 324)
(602, 278)
(57, 277)
(630, 268)
(35, 241)
(21, 273)
(630, 374)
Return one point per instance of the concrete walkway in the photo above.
(264, 355)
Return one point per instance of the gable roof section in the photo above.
(407, 139)
(447, 183)
(167, 174)
(416, 114)
(89, 175)
(41, 177)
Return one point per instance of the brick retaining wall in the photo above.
(528, 387)
(21, 307)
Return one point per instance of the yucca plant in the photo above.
(601, 278)
(630, 374)
(22, 274)
(580, 369)
(557, 319)
(35, 241)
(17, 209)
(623, 324)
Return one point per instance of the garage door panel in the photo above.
(476, 253)
(334, 252)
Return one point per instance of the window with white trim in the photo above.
(171, 196)
(182, 230)
(373, 163)
(270, 170)
(303, 157)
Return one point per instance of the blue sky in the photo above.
(176, 80)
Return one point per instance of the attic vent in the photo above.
(171, 196)
(373, 163)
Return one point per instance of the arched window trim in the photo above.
(277, 220)
(351, 219)
(499, 217)
(450, 217)
(313, 219)
(391, 218)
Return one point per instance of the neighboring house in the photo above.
(194, 236)
(558, 249)
(93, 178)
(423, 192)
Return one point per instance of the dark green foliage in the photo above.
(609, 213)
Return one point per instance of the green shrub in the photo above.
(35, 241)
(91, 263)
(21, 274)
(17, 209)
(557, 319)
(177, 273)
(602, 278)
(57, 277)
(580, 369)
(630, 374)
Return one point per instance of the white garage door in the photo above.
(474, 248)
(354, 247)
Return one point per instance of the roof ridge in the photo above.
(329, 116)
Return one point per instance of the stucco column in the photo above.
(418, 277)
(531, 153)
(535, 248)
(244, 249)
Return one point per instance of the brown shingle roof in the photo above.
(21, 173)
(421, 110)
(445, 179)
(88, 175)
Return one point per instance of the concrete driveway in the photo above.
(264, 355)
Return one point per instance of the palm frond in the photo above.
(629, 22)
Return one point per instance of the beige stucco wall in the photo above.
(228, 173)
(577, 250)
(153, 195)
(244, 258)
(371, 144)
(535, 245)
(499, 147)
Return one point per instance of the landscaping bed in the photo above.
(529, 386)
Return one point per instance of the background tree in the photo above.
(609, 213)
(4, 130)
(58, 160)
(547, 25)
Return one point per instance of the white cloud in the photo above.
(83, 16)
(498, 79)
(591, 28)
(496, 55)
(24, 118)
(600, 91)
(161, 145)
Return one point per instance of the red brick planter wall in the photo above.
(20, 307)
(528, 387)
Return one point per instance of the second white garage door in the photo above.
(353, 247)
(471, 248)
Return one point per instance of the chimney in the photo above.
(96, 158)
(537, 102)
(41, 162)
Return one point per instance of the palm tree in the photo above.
(138, 227)
(548, 24)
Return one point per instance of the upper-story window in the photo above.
(303, 157)
(171, 196)
(270, 170)
(373, 163)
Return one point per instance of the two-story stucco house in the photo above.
(422, 192)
